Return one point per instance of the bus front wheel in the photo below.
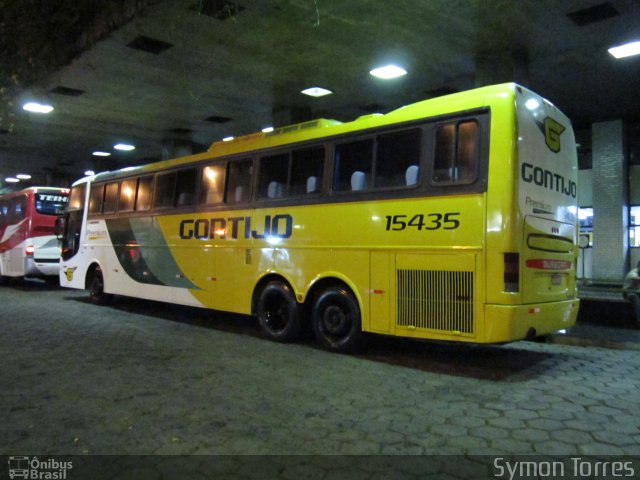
(278, 312)
(336, 320)
(97, 295)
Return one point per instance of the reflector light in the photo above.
(548, 264)
(30, 250)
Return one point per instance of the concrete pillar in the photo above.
(610, 201)
(291, 115)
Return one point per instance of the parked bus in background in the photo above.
(453, 218)
(28, 245)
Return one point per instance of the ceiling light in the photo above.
(35, 107)
(89, 172)
(11, 180)
(124, 147)
(388, 71)
(23, 176)
(626, 50)
(227, 139)
(267, 130)
(316, 92)
(99, 153)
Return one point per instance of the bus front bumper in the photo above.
(506, 323)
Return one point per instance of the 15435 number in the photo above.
(430, 221)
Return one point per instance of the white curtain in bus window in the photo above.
(395, 154)
(127, 195)
(239, 181)
(186, 187)
(165, 190)
(307, 167)
(95, 198)
(143, 199)
(352, 165)
(456, 153)
(273, 176)
(110, 198)
(212, 187)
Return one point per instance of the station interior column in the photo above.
(610, 201)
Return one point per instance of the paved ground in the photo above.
(146, 378)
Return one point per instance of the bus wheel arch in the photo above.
(279, 313)
(94, 282)
(336, 315)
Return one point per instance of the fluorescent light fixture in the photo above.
(316, 92)
(23, 176)
(267, 130)
(227, 139)
(388, 71)
(11, 180)
(626, 50)
(99, 153)
(125, 147)
(35, 107)
(89, 172)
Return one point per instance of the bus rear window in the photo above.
(456, 153)
(51, 203)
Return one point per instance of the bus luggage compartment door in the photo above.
(436, 292)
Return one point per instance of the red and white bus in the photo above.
(28, 246)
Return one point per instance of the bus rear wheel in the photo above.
(278, 312)
(336, 320)
(97, 295)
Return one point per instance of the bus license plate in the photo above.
(556, 279)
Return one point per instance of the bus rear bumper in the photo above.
(38, 268)
(507, 323)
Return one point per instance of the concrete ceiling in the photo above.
(227, 67)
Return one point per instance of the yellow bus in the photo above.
(454, 218)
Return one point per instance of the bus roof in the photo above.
(322, 128)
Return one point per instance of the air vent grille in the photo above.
(436, 300)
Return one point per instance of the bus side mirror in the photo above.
(59, 228)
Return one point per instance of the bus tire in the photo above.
(336, 320)
(97, 296)
(278, 312)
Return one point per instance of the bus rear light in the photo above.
(548, 264)
(511, 272)
(30, 250)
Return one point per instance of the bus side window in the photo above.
(165, 190)
(186, 187)
(307, 167)
(352, 165)
(127, 195)
(239, 175)
(143, 199)
(397, 152)
(4, 213)
(456, 153)
(19, 208)
(212, 186)
(273, 176)
(110, 198)
(95, 198)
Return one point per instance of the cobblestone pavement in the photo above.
(146, 378)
